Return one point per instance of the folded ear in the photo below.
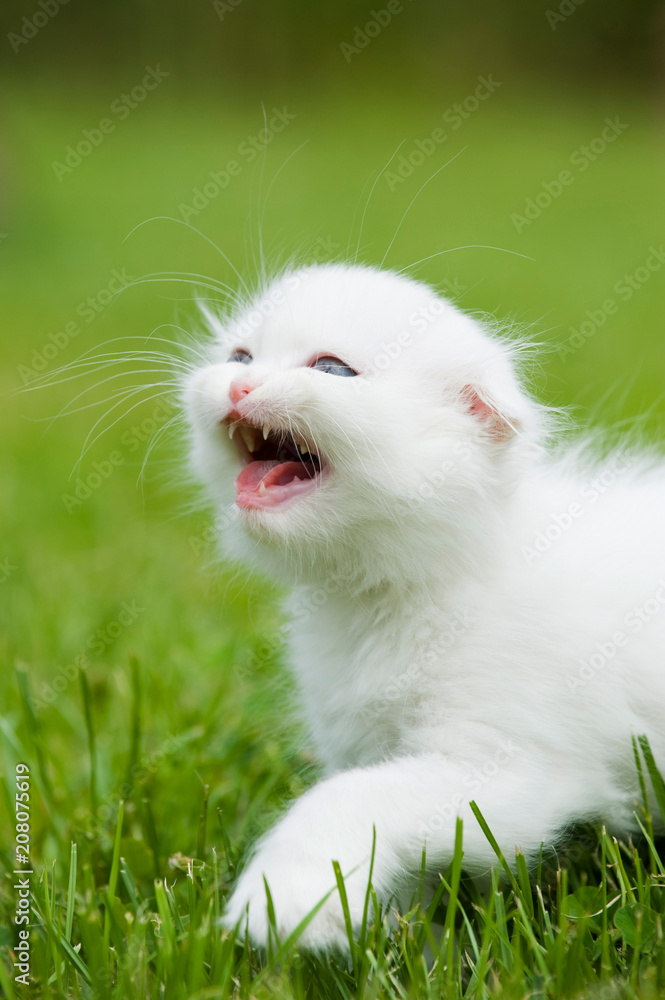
(493, 418)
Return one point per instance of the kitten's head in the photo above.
(350, 421)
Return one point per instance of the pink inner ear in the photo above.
(495, 423)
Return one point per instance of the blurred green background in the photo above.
(113, 115)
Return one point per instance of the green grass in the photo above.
(164, 752)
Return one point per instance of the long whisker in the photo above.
(192, 346)
(369, 197)
(468, 246)
(267, 197)
(260, 269)
(220, 285)
(355, 212)
(88, 443)
(144, 339)
(176, 277)
(159, 433)
(417, 195)
(116, 357)
(83, 369)
(67, 408)
(89, 362)
(198, 232)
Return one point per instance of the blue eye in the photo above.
(333, 366)
(244, 357)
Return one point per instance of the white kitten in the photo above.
(473, 618)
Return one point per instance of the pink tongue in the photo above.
(281, 481)
(252, 474)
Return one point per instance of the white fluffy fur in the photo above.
(474, 615)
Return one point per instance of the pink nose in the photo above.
(239, 389)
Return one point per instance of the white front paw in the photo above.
(298, 880)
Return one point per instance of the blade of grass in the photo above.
(341, 888)
(135, 730)
(203, 826)
(35, 730)
(363, 925)
(113, 877)
(523, 875)
(273, 937)
(290, 941)
(495, 847)
(92, 747)
(129, 884)
(166, 925)
(71, 894)
(652, 847)
(150, 832)
(226, 843)
(6, 981)
(449, 925)
(656, 778)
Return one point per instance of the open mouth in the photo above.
(278, 466)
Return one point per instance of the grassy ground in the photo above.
(142, 684)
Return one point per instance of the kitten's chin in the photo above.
(270, 542)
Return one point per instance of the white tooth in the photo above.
(303, 449)
(232, 430)
(266, 432)
(262, 489)
(248, 437)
